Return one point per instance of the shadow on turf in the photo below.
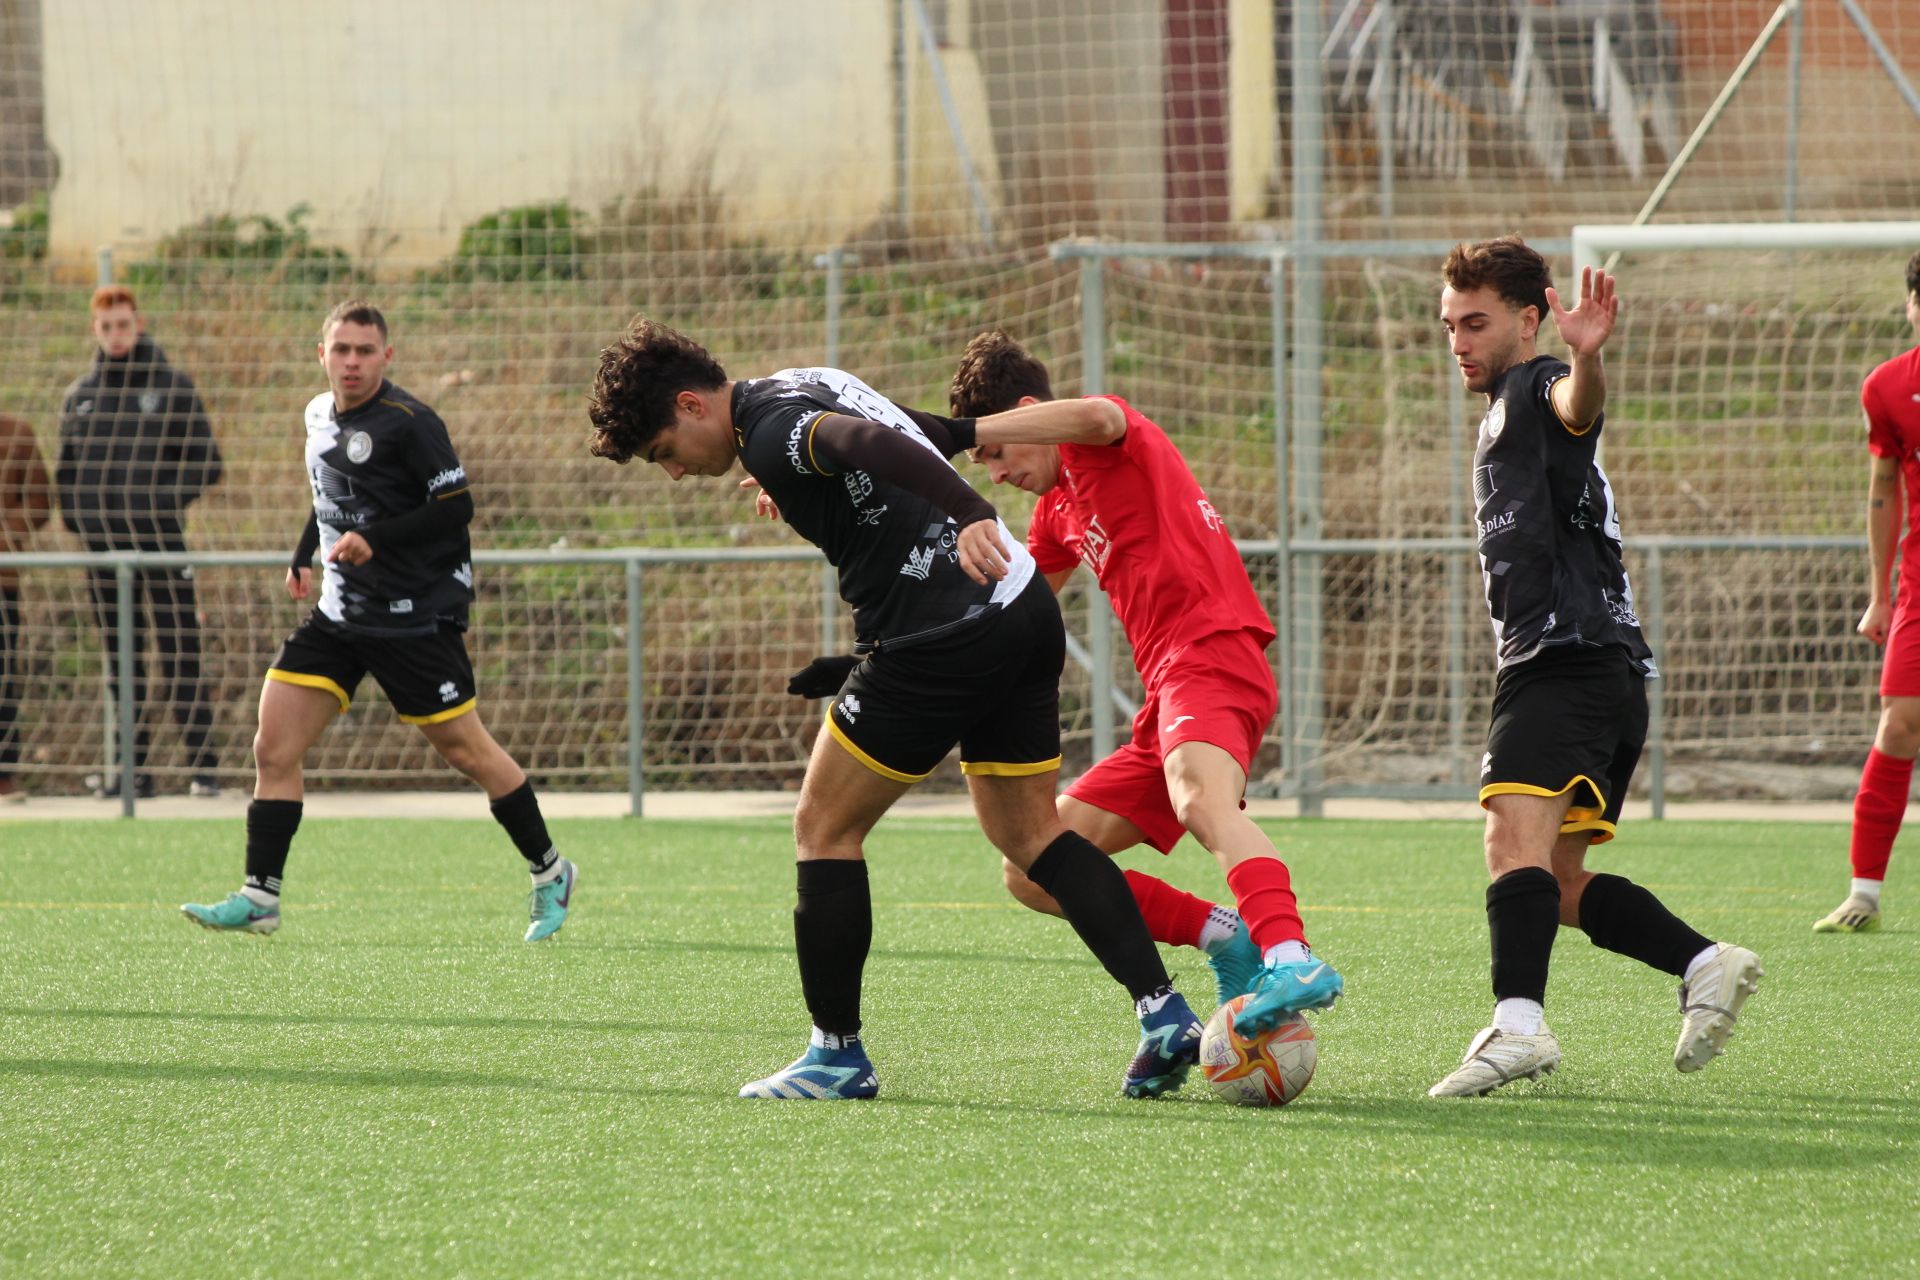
(364, 1020)
(371, 1077)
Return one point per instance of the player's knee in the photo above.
(463, 756)
(274, 753)
(1899, 734)
(1204, 814)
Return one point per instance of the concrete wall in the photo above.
(400, 122)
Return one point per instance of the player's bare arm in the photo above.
(1092, 421)
(1883, 534)
(1580, 396)
(1058, 579)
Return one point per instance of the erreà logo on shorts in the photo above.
(849, 707)
(449, 691)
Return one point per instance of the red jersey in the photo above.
(1134, 513)
(1891, 398)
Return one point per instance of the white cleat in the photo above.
(1710, 1004)
(1858, 914)
(1499, 1057)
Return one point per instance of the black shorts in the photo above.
(992, 687)
(427, 678)
(1574, 720)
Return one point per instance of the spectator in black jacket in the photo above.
(135, 450)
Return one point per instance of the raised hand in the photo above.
(1587, 326)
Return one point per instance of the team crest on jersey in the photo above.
(1495, 422)
(359, 447)
(1211, 518)
(149, 402)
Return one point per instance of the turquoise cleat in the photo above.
(550, 902)
(1169, 1046)
(820, 1074)
(237, 913)
(1235, 962)
(1284, 989)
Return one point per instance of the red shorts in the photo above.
(1218, 690)
(1900, 669)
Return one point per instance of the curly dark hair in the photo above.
(1515, 272)
(1913, 274)
(995, 371)
(632, 398)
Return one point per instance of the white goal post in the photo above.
(1592, 240)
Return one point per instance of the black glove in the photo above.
(822, 677)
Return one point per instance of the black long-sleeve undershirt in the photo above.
(864, 445)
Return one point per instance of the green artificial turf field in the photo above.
(395, 1085)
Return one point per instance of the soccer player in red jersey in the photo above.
(1891, 398)
(1122, 500)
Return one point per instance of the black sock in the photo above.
(270, 828)
(1093, 894)
(1621, 916)
(519, 812)
(832, 929)
(1523, 914)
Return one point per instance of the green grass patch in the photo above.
(395, 1085)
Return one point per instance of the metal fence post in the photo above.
(834, 260)
(123, 655)
(1282, 515)
(1309, 157)
(636, 696)
(103, 265)
(1790, 197)
(1459, 463)
(1093, 381)
(1655, 620)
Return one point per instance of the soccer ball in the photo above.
(1261, 1071)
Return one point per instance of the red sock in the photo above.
(1264, 893)
(1173, 916)
(1877, 811)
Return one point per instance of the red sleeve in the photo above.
(1050, 553)
(1883, 441)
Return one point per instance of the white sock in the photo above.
(827, 1040)
(1286, 953)
(260, 897)
(552, 872)
(1693, 965)
(1868, 889)
(1519, 1016)
(1220, 927)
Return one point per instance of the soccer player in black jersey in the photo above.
(959, 641)
(1570, 700)
(390, 512)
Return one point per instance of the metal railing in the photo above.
(1301, 778)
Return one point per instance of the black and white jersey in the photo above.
(896, 551)
(1548, 529)
(383, 459)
